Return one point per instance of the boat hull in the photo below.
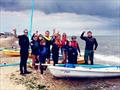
(83, 72)
(13, 53)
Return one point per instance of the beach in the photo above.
(64, 38)
(10, 79)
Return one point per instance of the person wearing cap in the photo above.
(91, 46)
(24, 51)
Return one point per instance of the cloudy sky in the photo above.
(70, 16)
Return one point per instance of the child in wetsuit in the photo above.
(35, 50)
(72, 54)
(42, 54)
(75, 44)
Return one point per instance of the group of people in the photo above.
(45, 46)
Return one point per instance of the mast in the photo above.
(31, 20)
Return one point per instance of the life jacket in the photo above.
(74, 44)
(47, 38)
(64, 41)
(59, 43)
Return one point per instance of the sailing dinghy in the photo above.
(79, 70)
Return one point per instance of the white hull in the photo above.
(84, 72)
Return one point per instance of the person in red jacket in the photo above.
(75, 44)
(64, 42)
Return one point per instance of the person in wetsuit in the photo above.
(75, 44)
(35, 50)
(48, 41)
(24, 51)
(91, 46)
(64, 47)
(42, 54)
(72, 54)
(56, 45)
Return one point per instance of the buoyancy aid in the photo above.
(59, 43)
(74, 44)
(64, 41)
(47, 38)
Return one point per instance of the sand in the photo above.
(10, 79)
(8, 42)
(5, 82)
(5, 74)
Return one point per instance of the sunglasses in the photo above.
(25, 32)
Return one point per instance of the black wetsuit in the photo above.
(42, 56)
(55, 53)
(72, 55)
(24, 52)
(35, 47)
(89, 48)
(47, 45)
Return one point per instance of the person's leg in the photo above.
(86, 56)
(21, 63)
(75, 60)
(41, 68)
(57, 56)
(25, 62)
(70, 59)
(33, 61)
(91, 57)
(54, 59)
(42, 61)
(48, 57)
(64, 57)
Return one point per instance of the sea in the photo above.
(108, 51)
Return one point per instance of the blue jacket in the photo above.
(35, 47)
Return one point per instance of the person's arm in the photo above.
(32, 45)
(20, 41)
(52, 40)
(83, 37)
(42, 36)
(96, 44)
(15, 34)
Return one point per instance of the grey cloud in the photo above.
(106, 8)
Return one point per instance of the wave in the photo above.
(107, 59)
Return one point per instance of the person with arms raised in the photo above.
(24, 51)
(90, 48)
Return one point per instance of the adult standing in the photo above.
(24, 51)
(91, 46)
